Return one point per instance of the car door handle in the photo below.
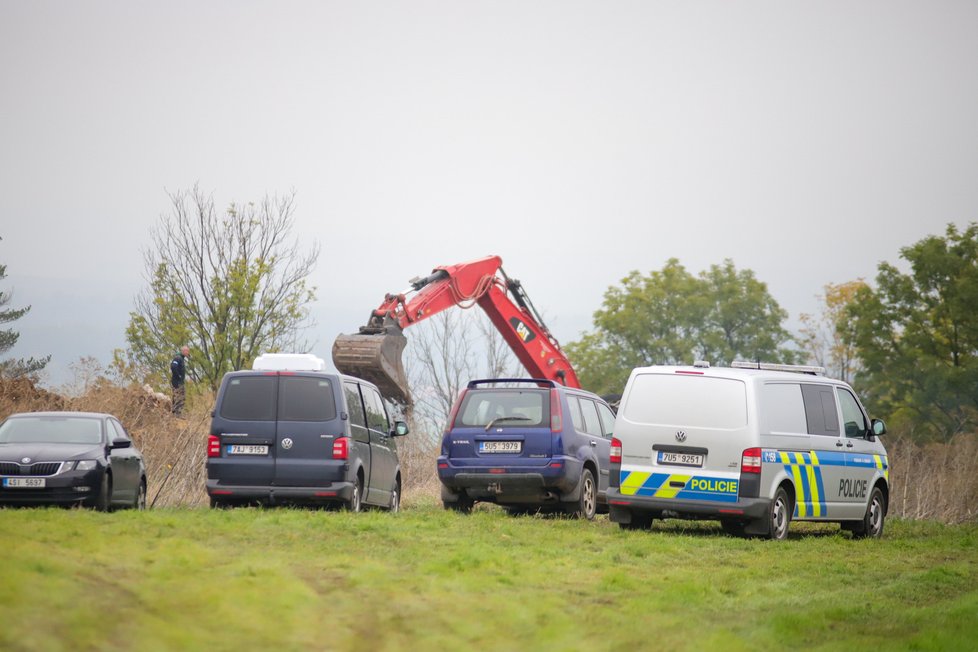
(848, 444)
(594, 443)
(839, 444)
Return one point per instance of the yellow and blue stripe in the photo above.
(681, 486)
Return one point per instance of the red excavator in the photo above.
(375, 352)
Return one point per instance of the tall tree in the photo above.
(829, 338)
(917, 336)
(14, 367)
(672, 317)
(229, 284)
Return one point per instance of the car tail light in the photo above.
(751, 462)
(341, 448)
(213, 446)
(615, 450)
(556, 412)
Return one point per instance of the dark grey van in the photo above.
(286, 432)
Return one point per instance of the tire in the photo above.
(354, 504)
(463, 505)
(394, 506)
(871, 527)
(139, 503)
(640, 521)
(587, 504)
(779, 516)
(732, 527)
(104, 499)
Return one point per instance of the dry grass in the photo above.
(933, 481)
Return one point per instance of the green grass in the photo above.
(282, 579)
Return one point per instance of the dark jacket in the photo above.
(178, 370)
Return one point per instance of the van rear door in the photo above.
(686, 433)
(308, 423)
(245, 423)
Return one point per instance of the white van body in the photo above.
(739, 444)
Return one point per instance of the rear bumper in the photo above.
(621, 508)
(269, 495)
(553, 482)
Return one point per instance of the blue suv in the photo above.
(526, 443)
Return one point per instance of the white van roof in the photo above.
(289, 362)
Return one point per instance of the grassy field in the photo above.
(424, 579)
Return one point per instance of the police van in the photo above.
(753, 445)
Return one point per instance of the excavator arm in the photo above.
(375, 352)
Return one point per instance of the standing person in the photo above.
(178, 378)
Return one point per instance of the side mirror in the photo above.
(400, 429)
(879, 428)
(121, 442)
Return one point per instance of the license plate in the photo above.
(24, 483)
(680, 459)
(500, 446)
(247, 449)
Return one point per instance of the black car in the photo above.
(528, 444)
(66, 458)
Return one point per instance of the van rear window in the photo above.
(686, 401)
(306, 399)
(511, 408)
(250, 398)
(299, 398)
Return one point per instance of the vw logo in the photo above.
(286, 443)
(26, 460)
(680, 436)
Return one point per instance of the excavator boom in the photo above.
(375, 352)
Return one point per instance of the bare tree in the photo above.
(230, 284)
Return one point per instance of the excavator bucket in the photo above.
(375, 357)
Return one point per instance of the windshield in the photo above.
(51, 430)
(505, 408)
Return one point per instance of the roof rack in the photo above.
(489, 381)
(776, 366)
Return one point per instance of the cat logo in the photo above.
(521, 329)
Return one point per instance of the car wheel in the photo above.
(779, 515)
(732, 527)
(640, 521)
(587, 504)
(463, 505)
(395, 504)
(140, 501)
(104, 498)
(872, 524)
(354, 504)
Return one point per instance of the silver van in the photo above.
(753, 445)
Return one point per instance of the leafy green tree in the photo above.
(829, 338)
(917, 337)
(11, 367)
(672, 317)
(227, 284)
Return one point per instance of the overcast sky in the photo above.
(577, 140)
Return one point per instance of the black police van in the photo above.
(287, 432)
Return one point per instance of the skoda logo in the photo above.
(680, 436)
(26, 460)
(286, 443)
